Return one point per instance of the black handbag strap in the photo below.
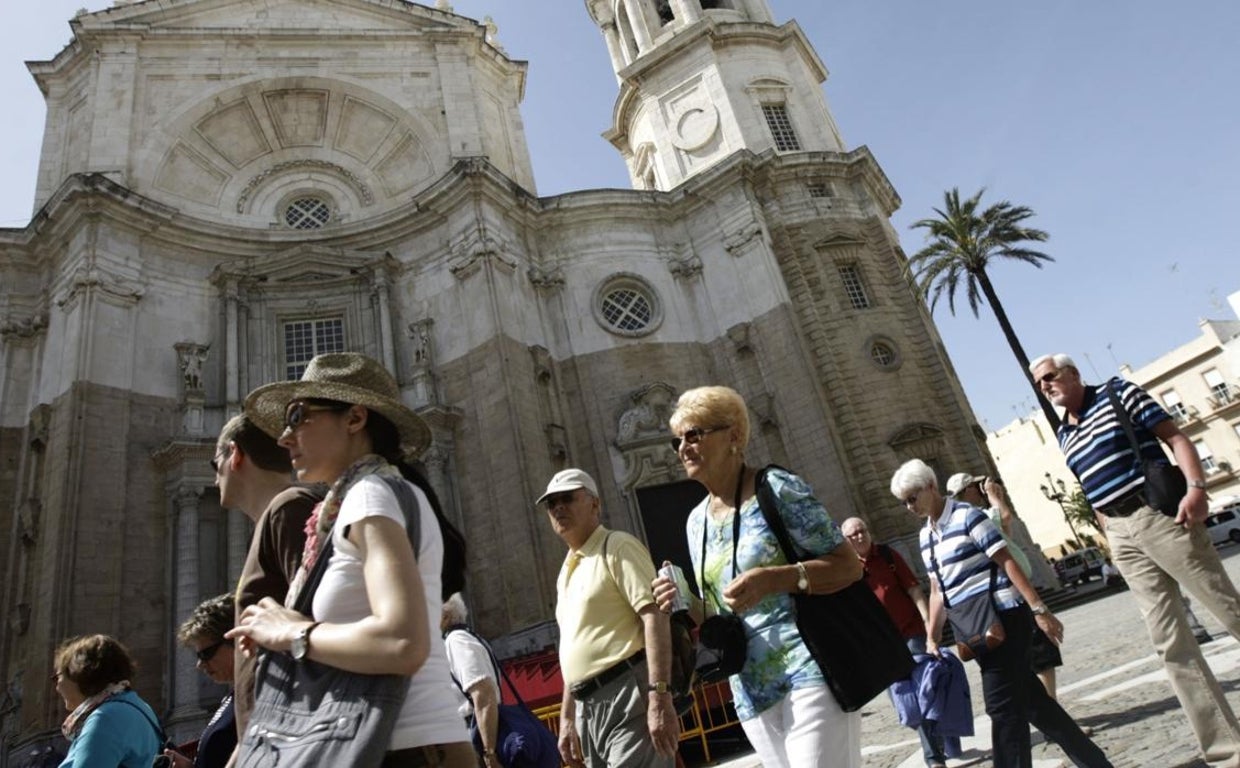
(934, 566)
(736, 534)
(770, 512)
(1125, 421)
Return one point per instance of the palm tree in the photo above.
(961, 244)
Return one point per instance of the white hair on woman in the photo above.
(454, 610)
(1059, 359)
(913, 475)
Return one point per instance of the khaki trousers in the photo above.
(1157, 558)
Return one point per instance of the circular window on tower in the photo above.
(883, 353)
(627, 305)
(307, 212)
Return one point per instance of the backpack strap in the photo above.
(159, 732)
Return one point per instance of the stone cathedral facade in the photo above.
(228, 187)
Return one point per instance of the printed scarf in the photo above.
(73, 724)
(319, 524)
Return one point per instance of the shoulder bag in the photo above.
(1165, 484)
(307, 714)
(975, 622)
(849, 633)
(522, 740)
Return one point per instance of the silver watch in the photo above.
(1197, 484)
(1040, 610)
(301, 642)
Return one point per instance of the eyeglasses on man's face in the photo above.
(693, 436)
(1047, 378)
(208, 653)
(298, 413)
(218, 460)
(911, 500)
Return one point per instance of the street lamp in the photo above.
(1057, 491)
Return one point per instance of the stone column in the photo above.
(639, 25)
(184, 680)
(686, 11)
(380, 292)
(232, 338)
(614, 48)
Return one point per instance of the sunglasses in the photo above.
(911, 500)
(693, 436)
(215, 462)
(1047, 378)
(208, 653)
(298, 413)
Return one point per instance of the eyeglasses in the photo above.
(911, 500)
(215, 462)
(1047, 378)
(694, 436)
(297, 413)
(208, 653)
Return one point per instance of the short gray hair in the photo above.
(1059, 359)
(912, 476)
(454, 610)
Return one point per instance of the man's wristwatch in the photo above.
(301, 642)
(1201, 484)
(1040, 610)
(660, 687)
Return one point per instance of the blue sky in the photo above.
(1115, 120)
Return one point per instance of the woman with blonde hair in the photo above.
(374, 611)
(781, 696)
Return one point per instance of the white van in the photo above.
(1224, 525)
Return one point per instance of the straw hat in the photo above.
(349, 378)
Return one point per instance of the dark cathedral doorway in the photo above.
(664, 511)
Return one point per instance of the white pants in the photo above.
(806, 728)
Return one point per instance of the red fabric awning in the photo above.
(536, 677)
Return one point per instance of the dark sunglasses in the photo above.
(298, 413)
(693, 436)
(1047, 378)
(219, 457)
(911, 500)
(208, 653)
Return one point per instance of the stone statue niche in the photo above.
(191, 359)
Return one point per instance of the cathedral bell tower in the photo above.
(702, 79)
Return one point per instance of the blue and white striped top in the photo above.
(964, 540)
(1098, 451)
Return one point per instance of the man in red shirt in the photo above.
(895, 586)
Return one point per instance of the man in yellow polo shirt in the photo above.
(615, 644)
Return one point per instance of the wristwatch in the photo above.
(660, 687)
(1197, 484)
(301, 642)
(1040, 610)
(802, 578)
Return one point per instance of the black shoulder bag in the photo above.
(1165, 485)
(308, 714)
(849, 633)
(722, 646)
(975, 621)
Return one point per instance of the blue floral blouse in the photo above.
(778, 660)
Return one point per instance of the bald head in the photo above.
(858, 535)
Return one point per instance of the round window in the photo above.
(307, 213)
(883, 353)
(627, 305)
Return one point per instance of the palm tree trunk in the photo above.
(993, 299)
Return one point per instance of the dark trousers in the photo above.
(1015, 699)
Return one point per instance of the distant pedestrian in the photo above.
(469, 662)
(897, 588)
(1156, 553)
(203, 633)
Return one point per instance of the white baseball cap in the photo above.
(569, 480)
(961, 480)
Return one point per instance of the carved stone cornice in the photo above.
(176, 454)
(363, 190)
(546, 280)
(468, 252)
(685, 268)
(13, 329)
(112, 288)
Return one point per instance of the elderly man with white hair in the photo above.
(1156, 551)
(469, 661)
(966, 556)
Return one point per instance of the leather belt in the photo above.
(587, 687)
(1124, 506)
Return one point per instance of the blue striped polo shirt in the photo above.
(1098, 451)
(964, 540)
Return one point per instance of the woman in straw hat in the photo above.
(344, 425)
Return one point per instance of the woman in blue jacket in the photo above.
(108, 725)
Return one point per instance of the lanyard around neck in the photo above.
(736, 533)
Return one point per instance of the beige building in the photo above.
(1199, 385)
(228, 188)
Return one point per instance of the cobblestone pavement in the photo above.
(1111, 681)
